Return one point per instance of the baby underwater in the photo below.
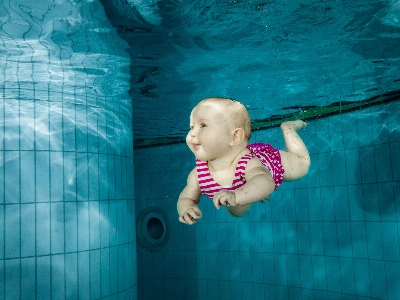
(229, 170)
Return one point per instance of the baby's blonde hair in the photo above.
(239, 116)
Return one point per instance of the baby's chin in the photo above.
(199, 156)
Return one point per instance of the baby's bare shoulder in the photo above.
(192, 180)
(255, 167)
(254, 163)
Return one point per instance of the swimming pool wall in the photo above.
(331, 235)
(67, 228)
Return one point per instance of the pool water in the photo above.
(96, 97)
(66, 176)
(331, 235)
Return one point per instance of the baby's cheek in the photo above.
(188, 138)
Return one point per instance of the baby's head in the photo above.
(235, 111)
(218, 127)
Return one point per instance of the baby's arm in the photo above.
(259, 185)
(188, 202)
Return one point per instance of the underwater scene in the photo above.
(97, 100)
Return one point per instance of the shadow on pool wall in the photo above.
(331, 235)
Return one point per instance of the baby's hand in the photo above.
(224, 198)
(191, 216)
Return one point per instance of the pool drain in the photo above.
(152, 228)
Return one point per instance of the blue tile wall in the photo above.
(55, 247)
(331, 235)
(78, 246)
(67, 221)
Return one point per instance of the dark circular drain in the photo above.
(155, 228)
(152, 228)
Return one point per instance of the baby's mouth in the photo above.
(196, 146)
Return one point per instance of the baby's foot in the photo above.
(296, 125)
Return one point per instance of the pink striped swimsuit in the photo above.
(268, 156)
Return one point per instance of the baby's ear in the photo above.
(237, 136)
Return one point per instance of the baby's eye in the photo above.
(203, 125)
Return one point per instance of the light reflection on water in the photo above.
(47, 125)
(65, 146)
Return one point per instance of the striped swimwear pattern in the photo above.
(268, 155)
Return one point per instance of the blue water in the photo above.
(270, 55)
(81, 80)
(66, 176)
(331, 235)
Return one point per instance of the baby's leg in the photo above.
(295, 160)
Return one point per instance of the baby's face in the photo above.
(210, 131)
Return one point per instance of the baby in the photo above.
(230, 171)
